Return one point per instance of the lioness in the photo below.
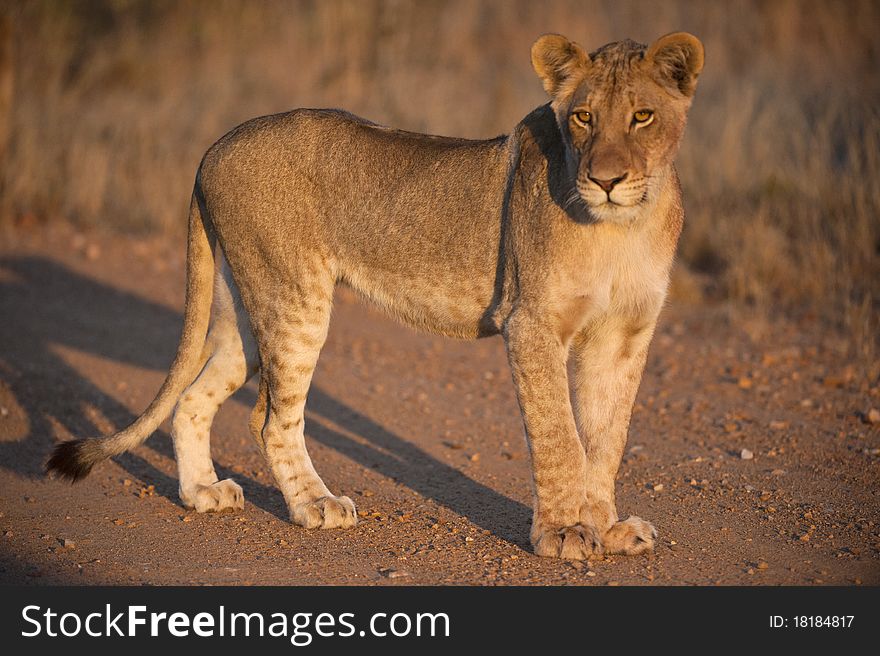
(559, 237)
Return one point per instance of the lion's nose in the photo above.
(608, 185)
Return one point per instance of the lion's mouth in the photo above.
(617, 199)
(620, 206)
(609, 203)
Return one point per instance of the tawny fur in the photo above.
(559, 237)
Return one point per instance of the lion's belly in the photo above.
(446, 302)
(430, 266)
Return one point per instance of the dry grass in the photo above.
(114, 102)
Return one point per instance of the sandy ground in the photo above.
(423, 433)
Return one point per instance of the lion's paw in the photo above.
(577, 542)
(630, 537)
(326, 512)
(222, 495)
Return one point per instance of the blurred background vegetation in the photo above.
(106, 107)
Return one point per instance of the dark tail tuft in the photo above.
(74, 460)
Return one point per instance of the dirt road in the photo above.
(424, 434)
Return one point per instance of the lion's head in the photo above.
(621, 111)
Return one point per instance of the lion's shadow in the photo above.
(36, 295)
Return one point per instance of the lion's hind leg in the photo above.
(291, 333)
(232, 361)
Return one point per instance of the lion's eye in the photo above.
(643, 116)
(582, 118)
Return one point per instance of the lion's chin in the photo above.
(612, 212)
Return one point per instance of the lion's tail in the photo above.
(73, 460)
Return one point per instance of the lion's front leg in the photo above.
(608, 361)
(537, 360)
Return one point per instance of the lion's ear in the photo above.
(677, 59)
(555, 60)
